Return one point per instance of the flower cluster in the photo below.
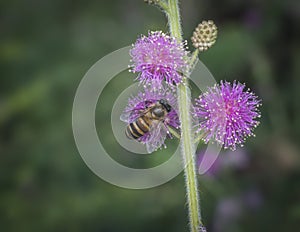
(158, 57)
(227, 113)
(160, 61)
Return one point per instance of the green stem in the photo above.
(188, 152)
(174, 20)
(174, 132)
(187, 143)
(163, 5)
(194, 59)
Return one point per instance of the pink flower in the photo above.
(226, 113)
(158, 57)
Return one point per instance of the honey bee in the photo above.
(149, 122)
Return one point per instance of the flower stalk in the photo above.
(187, 143)
(163, 5)
(226, 113)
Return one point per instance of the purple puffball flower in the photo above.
(226, 113)
(158, 132)
(158, 57)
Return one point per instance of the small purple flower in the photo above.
(226, 113)
(158, 57)
(159, 131)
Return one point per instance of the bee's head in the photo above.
(165, 104)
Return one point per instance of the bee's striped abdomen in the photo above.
(129, 133)
(133, 131)
(137, 129)
(143, 124)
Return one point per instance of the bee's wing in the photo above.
(129, 115)
(157, 136)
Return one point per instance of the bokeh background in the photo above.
(46, 46)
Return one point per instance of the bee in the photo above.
(150, 122)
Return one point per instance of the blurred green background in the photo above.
(45, 49)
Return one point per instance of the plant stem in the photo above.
(174, 20)
(194, 59)
(187, 143)
(163, 5)
(188, 151)
(174, 132)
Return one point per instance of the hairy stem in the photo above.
(163, 5)
(187, 143)
(188, 151)
(174, 19)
